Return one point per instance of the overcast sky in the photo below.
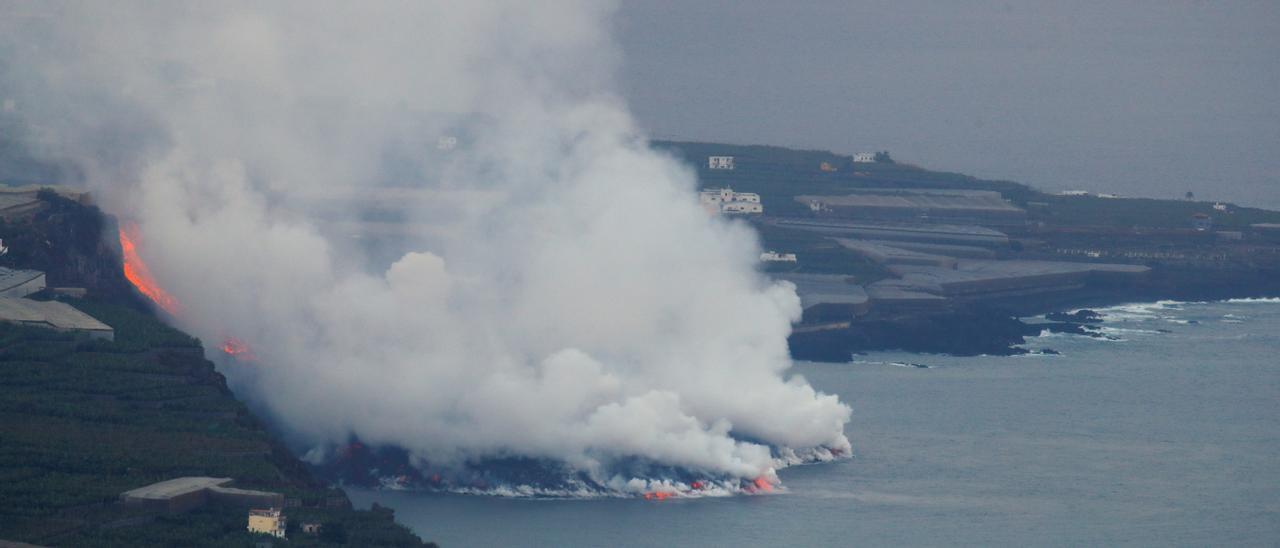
(1150, 98)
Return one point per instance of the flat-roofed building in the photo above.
(776, 257)
(55, 315)
(173, 496)
(886, 254)
(920, 205)
(20, 283)
(1012, 278)
(183, 494)
(1267, 231)
(905, 232)
(827, 297)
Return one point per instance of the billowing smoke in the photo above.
(555, 291)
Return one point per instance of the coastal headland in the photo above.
(886, 255)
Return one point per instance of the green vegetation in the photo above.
(83, 420)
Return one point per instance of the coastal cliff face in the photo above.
(72, 243)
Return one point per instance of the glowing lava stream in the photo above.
(757, 486)
(136, 271)
(139, 275)
(763, 484)
(238, 349)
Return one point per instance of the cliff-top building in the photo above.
(720, 162)
(725, 200)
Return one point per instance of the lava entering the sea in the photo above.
(136, 271)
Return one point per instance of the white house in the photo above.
(741, 207)
(775, 257)
(720, 162)
(447, 142)
(725, 200)
(865, 157)
(1074, 193)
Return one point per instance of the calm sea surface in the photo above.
(1154, 438)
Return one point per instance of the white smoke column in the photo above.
(572, 302)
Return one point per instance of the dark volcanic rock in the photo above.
(964, 333)
(1079, 316)
(1072, 329)
(74, 244)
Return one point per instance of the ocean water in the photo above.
(1165, 433)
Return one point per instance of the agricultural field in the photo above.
(83, 420)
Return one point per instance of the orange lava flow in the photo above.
(763, 484)
(238, 349)
(139, 275)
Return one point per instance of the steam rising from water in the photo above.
(563, 299)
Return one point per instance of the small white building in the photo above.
(725, 200)
(447, 142)
(741, 207)
(1219, 206)
(865, 157)
(775, 257)
(720, 162)
(1074, 193)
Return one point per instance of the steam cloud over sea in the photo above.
(565, 299)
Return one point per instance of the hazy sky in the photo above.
(1149, 98)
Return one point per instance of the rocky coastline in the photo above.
(1000, 327)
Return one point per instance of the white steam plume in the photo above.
(566, 298)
